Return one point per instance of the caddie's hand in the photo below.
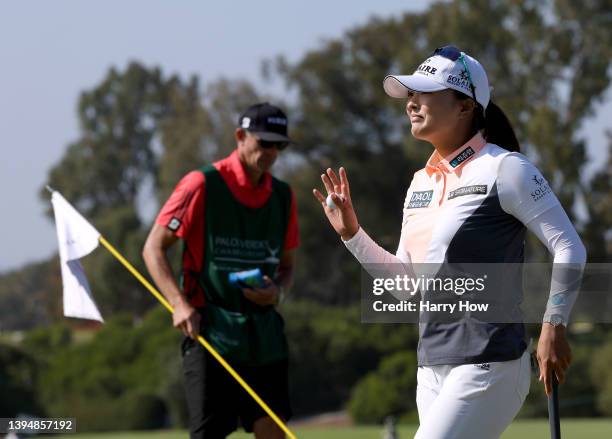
(342, 217)
(554, 355)
(187, 319)
(268, 295)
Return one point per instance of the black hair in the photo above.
(495, 125)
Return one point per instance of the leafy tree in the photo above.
(107, 165)
(602, 376)
(18, 374)
(390, 390)
(25, 299)
(598, 232)
(125, 364)
(330, 351)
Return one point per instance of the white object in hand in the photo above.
(330, 201)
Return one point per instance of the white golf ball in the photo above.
(330, 202)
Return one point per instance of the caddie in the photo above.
(232, 216)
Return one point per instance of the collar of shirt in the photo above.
(236, 178)
(455, 160)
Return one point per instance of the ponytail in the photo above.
(497, 128)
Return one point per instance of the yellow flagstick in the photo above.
(201, 339)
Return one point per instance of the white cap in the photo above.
(439, 73)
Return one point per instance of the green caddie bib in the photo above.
(240, 238)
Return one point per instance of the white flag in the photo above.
(76, 238)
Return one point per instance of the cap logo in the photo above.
(459, 81)
(277, 120)
(246, 122)
(424, 68)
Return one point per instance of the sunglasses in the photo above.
(454, 54)
(268, 144)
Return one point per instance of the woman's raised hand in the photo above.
(340, 214)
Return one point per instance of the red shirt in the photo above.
(183, 213)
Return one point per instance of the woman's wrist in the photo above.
(548, 328)
(348, 235)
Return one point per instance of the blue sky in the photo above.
(51, 51)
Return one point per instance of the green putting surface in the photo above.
(523, 429)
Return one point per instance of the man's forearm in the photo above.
(159, 267)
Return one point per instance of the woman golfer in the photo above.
(472, 202)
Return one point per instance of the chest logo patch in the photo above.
(462, 157)
(468, 190)
(420, 199)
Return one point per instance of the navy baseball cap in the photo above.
(266, 121)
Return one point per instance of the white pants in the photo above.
(471, 401)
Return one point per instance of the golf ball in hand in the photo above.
(330, 202)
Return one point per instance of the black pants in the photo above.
(215, 399)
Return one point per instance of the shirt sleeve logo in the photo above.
(174, 224)
(542, 188)
(420, 199)
(468, 190)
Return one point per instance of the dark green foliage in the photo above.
(599, 205)
(330, 350)
(18, 378)
(25, 296)
(144, 411)
(601, 375)
(388, 391)
(126, 364)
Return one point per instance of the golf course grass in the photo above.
(523, 429)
